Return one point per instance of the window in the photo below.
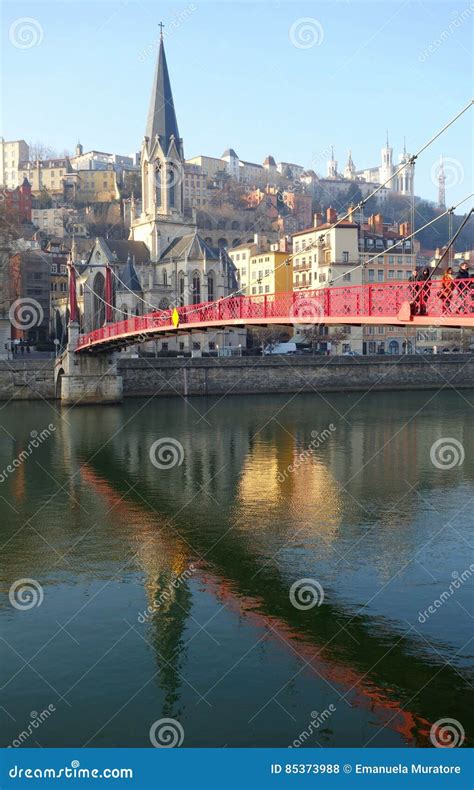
(196, 289)
(345, 257)
(391, 259)
(212, 345)
(164, 346)
(181, 345)
(237, 257)
(297, 246)
(347, 276)
(322, 278)
(54, 268)
(267, 289)
(260, 289)
(399, 259)
(267, 272)
(391, 274)
(196, 345)
(254, 290)
(380, 275)
(210, 287)
(399, 275)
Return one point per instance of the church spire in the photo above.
(161, 114)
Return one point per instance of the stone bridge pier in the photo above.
(85, 378)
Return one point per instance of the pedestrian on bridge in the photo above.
(425, 278)
(415, 291)
(447, 288)
(464, 288)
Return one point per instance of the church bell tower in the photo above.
(162, 169)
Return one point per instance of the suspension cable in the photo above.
(360, 205)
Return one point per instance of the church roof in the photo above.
(122, 250)
(191, 246)
(161, 114)
(129, 278)
(229, 152)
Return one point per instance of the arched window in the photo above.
(98, 301)
(222, 243)
(181, 289)
(235, 226)
(394, 347)
(165, 277)
(235, 242)
(196, 288)
(211, 295)
(171, 183)
(158, 180)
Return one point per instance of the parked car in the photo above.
(351, 354)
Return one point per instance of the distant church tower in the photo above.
(332, 165)
(441, 185)
(162, 170)
(349, 170)
(386, 169)
(406, 177)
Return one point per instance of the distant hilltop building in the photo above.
(12, 152)
(403, 183)
(248, 173)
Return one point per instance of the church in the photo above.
(165, 262)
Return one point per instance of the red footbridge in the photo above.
(398, 303)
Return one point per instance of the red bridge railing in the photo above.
(347, 303)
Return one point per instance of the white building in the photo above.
(12, 152)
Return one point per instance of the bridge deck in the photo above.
(400, 303)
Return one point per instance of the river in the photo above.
(262, 570)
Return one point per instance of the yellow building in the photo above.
(97, 186)
(263, 268)
(49, 174)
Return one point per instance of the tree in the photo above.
(40, 150)
(44, 199)
(337, 336)
(262, 337)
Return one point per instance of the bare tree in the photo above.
(40, 150)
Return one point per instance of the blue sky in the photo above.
(288, 78)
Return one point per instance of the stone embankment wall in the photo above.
(210, 376)
(34, 379)
(26, 379)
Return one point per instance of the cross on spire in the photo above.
(161, 26)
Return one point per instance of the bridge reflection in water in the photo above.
(250, 528)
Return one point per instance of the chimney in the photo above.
(331, 215)
(317, 219)
(378, 224)
(404, 229)
(351, 212)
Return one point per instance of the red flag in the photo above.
(72, 294)
(108, 294)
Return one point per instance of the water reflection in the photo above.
(252, 511)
